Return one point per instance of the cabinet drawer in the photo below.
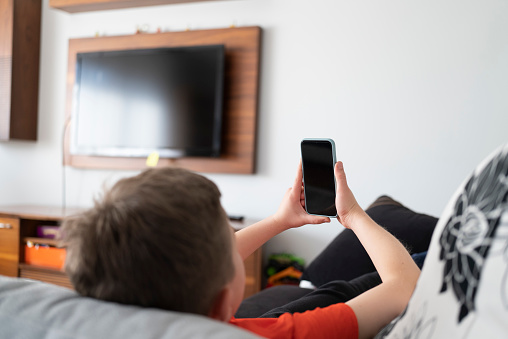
(9, 246)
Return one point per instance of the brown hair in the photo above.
(159, 239)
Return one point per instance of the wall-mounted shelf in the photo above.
(20, 27)
(242, 47)
(76, 6)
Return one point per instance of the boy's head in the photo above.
(159, 239)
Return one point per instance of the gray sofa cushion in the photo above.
(32, 309)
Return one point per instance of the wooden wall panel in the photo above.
(20, 23)
(242, 46)
(25, 69)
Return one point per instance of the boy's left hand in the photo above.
(291, 212)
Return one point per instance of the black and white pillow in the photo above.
(463, 288)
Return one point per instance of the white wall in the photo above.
(414, 94)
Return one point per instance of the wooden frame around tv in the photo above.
(242, 46)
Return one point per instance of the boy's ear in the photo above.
(221, 309)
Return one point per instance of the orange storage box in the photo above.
(45, 256)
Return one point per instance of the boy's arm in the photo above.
(377, 307)
(291, 213)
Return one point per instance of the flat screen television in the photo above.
(132, 103)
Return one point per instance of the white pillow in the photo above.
(462, 291)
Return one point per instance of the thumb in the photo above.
(343, 190)
(340, 175)
(345, 201)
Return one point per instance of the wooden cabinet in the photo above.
(253, 264)
(18, 224)
(20, 26)
(9, 246)
(75, 6)
(253, 273)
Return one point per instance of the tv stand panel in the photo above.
(242, 47)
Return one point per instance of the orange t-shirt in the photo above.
(335, 321)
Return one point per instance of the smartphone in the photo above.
(318, 161)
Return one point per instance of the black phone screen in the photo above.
(318, 177)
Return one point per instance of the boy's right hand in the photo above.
(345, 202)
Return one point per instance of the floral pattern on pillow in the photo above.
(468, 234)
(463, 289)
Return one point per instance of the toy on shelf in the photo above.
(284, 269)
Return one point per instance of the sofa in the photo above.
(36, 310)
(462, 291)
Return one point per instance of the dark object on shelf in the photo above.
(236, 217)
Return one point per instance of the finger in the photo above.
(319, 220)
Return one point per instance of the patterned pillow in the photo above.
(463, 288)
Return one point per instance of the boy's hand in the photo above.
(291, 212)
(345, 202)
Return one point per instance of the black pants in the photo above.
(275, 301)
(334, 292)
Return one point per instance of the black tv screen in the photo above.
(135, 102)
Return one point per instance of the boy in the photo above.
(162, 239)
